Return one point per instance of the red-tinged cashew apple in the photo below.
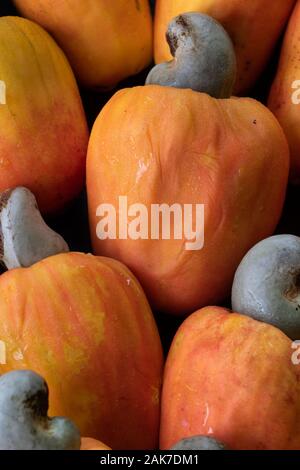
(254, 27)
(105, 41)
(92, 444)
(85, 325)
(284, 96)
(43, 130)
(231, 378)
(24, 423)
(169, 151)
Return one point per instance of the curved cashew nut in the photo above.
(24, 236)
(204, 57)
(24, 424)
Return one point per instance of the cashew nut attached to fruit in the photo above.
(266, 285)
(199, 443)
(24, 424)
(204, 57)
(25, 238)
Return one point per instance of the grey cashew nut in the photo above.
(266, 285)
(199, 443)
(24, 424)
(204, 57)
(24, 236)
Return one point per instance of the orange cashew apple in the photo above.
(43, 129)
(87, 443)
(160, 145)
(284, 97)
(231, 378)
(105, 41)
(84, 324)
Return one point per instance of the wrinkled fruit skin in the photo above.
(87, 443)
(221, 381)
(267, 284)
(82, 322)
(24, 423)
(43, 130)
(180, 146)
(281, 95)
(254, 27)
(105, 41)
(199, 443)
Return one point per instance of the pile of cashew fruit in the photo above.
(117, 342)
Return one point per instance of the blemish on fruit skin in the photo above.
(138, 5)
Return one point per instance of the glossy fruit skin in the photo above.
(87, 443)
(85, 325)
(180, 146)
(281, 94)
(254, 27)
(232, 378)
(43, 129)
(105, 41)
